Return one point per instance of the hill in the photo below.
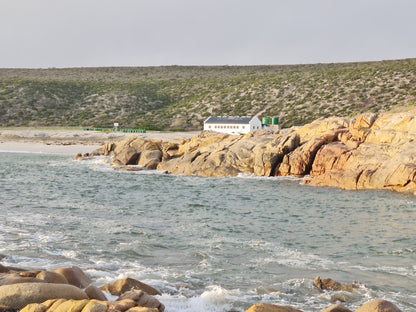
(181, 97)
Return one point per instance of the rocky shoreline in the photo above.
(70, 289)
(367, 152)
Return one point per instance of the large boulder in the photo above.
(123, 285)
(299, 161)
(142, 299)
(378, 305)
(63, 305)
(150, 158)
(369, 166)
(128, 156)
(266, 307)
(14, 278)
(93, 292)
(52, 277)
(75, 276)
(17, 296)
(268, 156)
(122, 305)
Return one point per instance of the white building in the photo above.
(232, 125)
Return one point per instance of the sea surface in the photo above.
(208, 244)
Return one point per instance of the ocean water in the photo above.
(208, 244)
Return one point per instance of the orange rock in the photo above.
(378, 305)
(336, 308)
(52, 277)
(70, 306)
(94, 306)
(266, 307)
(123, 285)
(75, 276)
(122, 305)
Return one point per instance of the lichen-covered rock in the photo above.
(92, 306)
(121, 286)
(68, 306)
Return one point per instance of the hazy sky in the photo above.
(81, 33)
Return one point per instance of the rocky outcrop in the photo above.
(62, 289)
(367, 152)
(63, 305)
(133, 295)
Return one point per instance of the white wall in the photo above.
(255, 124)
(228, 128)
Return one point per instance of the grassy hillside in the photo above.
(181, 97)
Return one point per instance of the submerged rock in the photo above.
(330, 284)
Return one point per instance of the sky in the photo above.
(91, 33)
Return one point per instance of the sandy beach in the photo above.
(68, 141)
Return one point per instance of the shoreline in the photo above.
(69, 141)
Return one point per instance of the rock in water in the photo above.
(336, 308)
(367, 152)
(266, 307)
(378, 305)
(75, 276)
(142, 299)
(52, 277)
(123, 285)
(17, 296)
(94, 292)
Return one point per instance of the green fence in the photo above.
(116, 130)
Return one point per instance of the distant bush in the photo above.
(155, 97)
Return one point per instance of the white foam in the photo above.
(213, 299)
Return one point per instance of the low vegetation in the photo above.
(181, 97)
